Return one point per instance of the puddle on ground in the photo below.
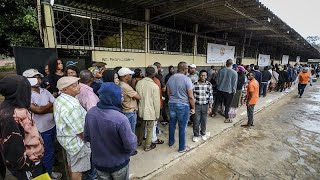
(313, 148)
(301, 162)
(309, 125)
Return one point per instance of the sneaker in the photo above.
(195, 139)
(204, 138)
(56, 175)
(186, 149)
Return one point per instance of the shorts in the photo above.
(80, 162)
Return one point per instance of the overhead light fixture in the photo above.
(269, 19)
(85, 17)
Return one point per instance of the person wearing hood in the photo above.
(110, 76)
(109, 132)
(21, 143)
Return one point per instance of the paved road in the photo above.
(283, 144)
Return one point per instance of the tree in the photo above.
(314, 41)
(18, 25)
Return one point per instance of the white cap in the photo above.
(125, 71)
(193, 66)
(29, 74)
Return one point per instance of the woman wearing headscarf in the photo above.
(236, 98)
(21, 143)
(110, 76)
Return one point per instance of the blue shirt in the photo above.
(179, 84)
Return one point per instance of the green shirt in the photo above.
(69, 116)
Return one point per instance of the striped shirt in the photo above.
(69, 116)
(203, 93)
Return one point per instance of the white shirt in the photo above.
(44, 122)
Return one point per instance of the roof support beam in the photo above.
(188, 6)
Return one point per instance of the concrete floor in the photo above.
(283, 144)
(147, 164)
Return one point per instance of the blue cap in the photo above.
(71, 63)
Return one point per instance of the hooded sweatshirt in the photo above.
(109, 132)
(20, 142)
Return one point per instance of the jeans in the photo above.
(178, 113)
(48, 139)
(122, 174)
(132, 116)
(200, 119)
(227, 99)
(250, 110)
(301, 88)
(264, 87)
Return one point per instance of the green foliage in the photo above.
(18, 24)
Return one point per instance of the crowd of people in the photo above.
(99, 116)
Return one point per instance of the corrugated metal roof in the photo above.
(238, 18)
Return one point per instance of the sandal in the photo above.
(158, 141)
(152, 146)
(228, 121)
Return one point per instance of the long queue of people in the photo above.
(94, 113)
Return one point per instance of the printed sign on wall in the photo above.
(264, 60)
(298, 59)
(217, 53)
(285, 59)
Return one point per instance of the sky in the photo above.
(301, 15)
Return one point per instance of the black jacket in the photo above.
(266, 76)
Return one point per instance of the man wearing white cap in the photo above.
(70, 118)
(130, 97)
(41, 107)
(193, 75)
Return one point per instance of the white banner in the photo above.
(285, 59)
(263, 60)
(314, 60)
(217, 53)
(298, 59)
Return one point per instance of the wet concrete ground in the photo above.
(283, 144)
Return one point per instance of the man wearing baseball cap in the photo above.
(69, 116)
(130, 96)
(41, 107)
